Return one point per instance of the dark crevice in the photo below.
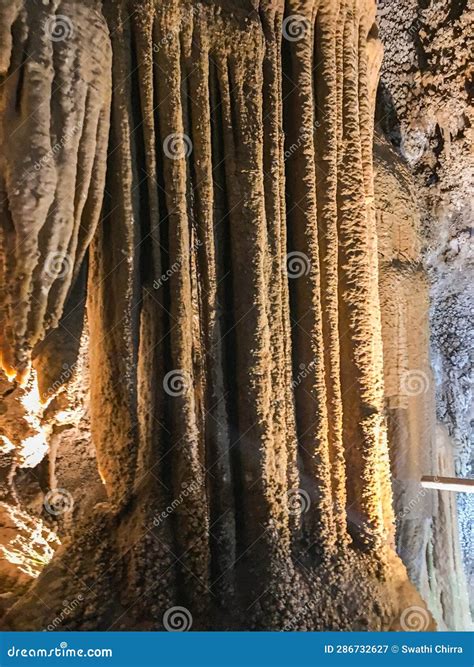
(420, 53)
(144, 252)
(18, 64)
(386, 116)
(163, 296)
(225, 291)
(438, 136)
(233, 111)
(456, 10)
(191, 179)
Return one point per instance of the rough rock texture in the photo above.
(426, 106)
(26, 546)
(237, 405)
(427, 534)
(54, 105)
(49, 477)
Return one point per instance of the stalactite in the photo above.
(54, 103)
(235, 332)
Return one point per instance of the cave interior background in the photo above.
(235, 244)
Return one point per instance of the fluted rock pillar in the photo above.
(235, 335)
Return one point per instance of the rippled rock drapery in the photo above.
(235, 334)
(54, 106)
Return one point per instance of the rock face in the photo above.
(54, 106)
(426, 82)
(427, 532)
(26, 546)
(235, 331)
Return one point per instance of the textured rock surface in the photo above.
(26, 546)
(237, 400)
(427, 533)
(54, 105)
(426, 106)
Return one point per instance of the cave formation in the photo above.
(205, 306)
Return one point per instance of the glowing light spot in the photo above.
(6, 445)
(64, 417)
(33, 448)
(31, 399)
(33, 545)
